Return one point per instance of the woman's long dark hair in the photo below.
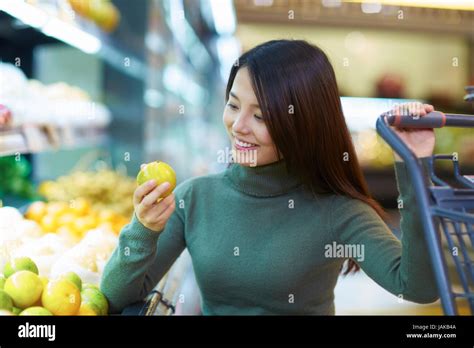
(297, 92)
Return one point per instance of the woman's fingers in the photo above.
(152, 197)
(157, 210)
(142, 191)
(415, 109)
(428, 108)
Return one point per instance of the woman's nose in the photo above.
(240, 125)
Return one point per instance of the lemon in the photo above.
(159, 171)
(25, 288)
(19, 264)
(37, 310)
(6, 301)
(61, 297)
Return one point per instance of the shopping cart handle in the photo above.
(435, 119)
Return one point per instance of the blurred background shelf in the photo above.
(159, 69)
(35, 139)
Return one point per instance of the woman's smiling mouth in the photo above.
(244, 146)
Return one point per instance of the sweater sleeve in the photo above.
(401, 267)
(141, 258)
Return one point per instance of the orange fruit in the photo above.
(57, 208)
(46, 187)
(80, 206)
(49, 223)
(106, 215)
(66, 219)
(95, 296)
(89, 308)
(61, 297)
(36, 211)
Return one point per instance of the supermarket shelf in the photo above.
(42, 138)
(56, 25)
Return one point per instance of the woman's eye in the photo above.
(258, 117)
(232, 106)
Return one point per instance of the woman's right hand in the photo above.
(151, 211)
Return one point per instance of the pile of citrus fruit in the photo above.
(103, 189)
(24, 292)
(74, 218)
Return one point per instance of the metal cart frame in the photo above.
(445, 211)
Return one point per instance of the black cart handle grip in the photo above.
(434, 119)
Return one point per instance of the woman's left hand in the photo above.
(420, 141)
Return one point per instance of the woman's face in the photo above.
(251, 142)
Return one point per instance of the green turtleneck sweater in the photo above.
(260, 244)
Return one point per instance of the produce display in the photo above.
(25, 291)
(14, 172)
(102, 12)
(54, 253)
(106, 190)
(74, 219)
(58, 104)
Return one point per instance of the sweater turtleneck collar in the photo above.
(262, 181)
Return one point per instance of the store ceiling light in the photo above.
(371, 7)
(28, 14)
(154, 98)
(224, 16)
(332, 3)
(466, 5)
(50, 25)
(228, 51)
(263, 2)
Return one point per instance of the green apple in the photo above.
(25, 288)
(19, 264)
(6, 301)
(36, 311)
(160, 172)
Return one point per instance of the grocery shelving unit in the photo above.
(35, 139)
(26, 26)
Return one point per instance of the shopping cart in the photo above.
(447, 210)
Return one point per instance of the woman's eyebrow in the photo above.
(233, 95)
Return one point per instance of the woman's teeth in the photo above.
(243, 144)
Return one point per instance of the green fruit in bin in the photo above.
(19, 264)
(89, 286)
(73, 277)
(159, 171)
(24, 288)
(35, 311)
(97, 300)
(6, 301)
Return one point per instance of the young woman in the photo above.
(262, 234)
